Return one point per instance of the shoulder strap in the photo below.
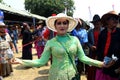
(68, 55)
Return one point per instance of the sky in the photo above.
(84, 9)
(17, 4)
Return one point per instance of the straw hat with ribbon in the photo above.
(108, 15)
(50, 22)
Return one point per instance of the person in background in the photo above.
(119, 21)
(93, 35)
(81, 33)
(62, 67)
(6, 52)
(39, 38)
(27, 41)
(15, 34)
(87, 27)
(49, 34)
(108, 47)
(12, 30)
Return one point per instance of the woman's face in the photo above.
(61, 25)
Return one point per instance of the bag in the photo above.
(79, 66)
(76, 77)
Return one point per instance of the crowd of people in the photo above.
(72, 46)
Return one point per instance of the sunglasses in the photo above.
(62, 23)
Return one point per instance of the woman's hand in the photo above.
(93, 48)
(112, 62)
(117, 70)
(16, 61)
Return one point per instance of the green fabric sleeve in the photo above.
(39, 62)
(83, 58)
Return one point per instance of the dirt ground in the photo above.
(22, 73)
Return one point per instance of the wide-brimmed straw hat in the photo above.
(96, 18)
(50, 22)
(106, 16)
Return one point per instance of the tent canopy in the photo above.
(12, 14)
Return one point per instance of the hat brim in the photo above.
(105, 17)
(95, 21)
(2, 25)
(51, 20)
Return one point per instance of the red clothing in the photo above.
(107, 43)
(91, 70)
(96, 34)
(46, 34)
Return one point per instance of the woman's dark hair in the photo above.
(66, 21)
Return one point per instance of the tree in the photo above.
(48, 7)
(1, 0)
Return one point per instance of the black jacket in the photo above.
(114, 48)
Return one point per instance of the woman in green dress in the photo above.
(62, 67)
